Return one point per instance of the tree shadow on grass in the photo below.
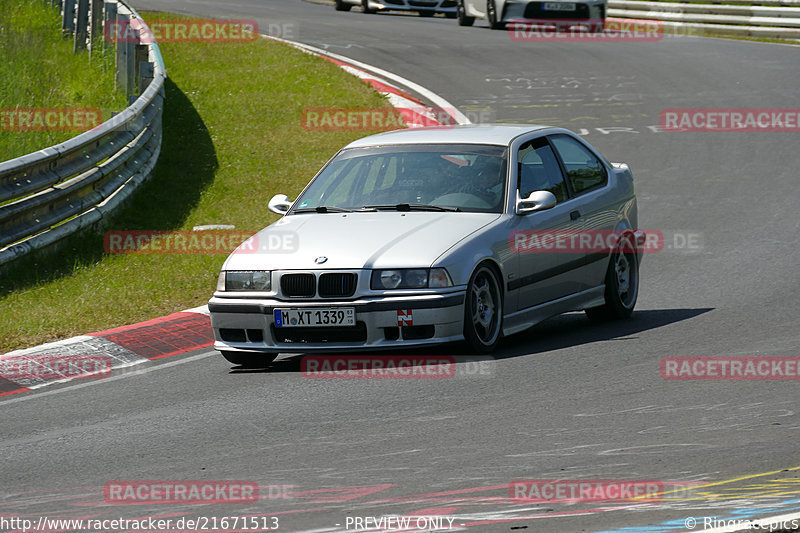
(186, 165)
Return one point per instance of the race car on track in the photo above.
(431, 235)
(426, 8)
(500, 13)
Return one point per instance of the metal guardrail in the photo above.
(53, 193)
(779, 19)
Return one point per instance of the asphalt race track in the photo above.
(565, 400)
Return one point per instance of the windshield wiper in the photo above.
(323, 209)
(413, 207)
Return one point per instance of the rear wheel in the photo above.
(248, 359)
(340, 5)
(483, 310)
(365, 7)
(491, 16)
(461, 14)
(622, 284)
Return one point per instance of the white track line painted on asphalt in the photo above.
(34, 395)
(203, 310)
(458, 116)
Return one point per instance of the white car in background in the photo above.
(499, 13)
(426, 8)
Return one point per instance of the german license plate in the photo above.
(318, 317)
(559, 6)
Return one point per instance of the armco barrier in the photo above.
(778, 19)
(50, 194)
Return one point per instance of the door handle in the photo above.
(575, 215)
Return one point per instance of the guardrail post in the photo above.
(141, 58)
(95, 23)
(146, 71)
(109, 18)
(68, 16)
(130, 66)
(81, 24)
(121, 73)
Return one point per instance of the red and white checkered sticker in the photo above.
(404, 317)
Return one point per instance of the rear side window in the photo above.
(584, 170)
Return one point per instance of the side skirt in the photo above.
(521, 320)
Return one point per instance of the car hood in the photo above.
(356, 240)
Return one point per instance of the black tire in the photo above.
(491, 16)
(622, 285)
(461, 15)
(366, 9)
(426, 13)
(340, 5)
(483, 310)
(249, 359)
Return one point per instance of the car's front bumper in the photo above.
(243, 324)
(522, 11)
(439, 6)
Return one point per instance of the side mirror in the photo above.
(536, 201)
(279, 204)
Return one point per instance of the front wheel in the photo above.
(341, 5)
(491, 16)
(249, 359)
(461, 14)
(365, 7)
(622, 285)
(483, 311)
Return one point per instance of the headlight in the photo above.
(244, 280)
(410, 278)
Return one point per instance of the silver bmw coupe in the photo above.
(432, 235)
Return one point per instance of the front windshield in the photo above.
(457, 177)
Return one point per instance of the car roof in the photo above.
(497, 134)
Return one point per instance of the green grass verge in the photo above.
(232, 139)
(38, 69)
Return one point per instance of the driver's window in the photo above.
(539, 170)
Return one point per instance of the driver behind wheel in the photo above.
(484, 179)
